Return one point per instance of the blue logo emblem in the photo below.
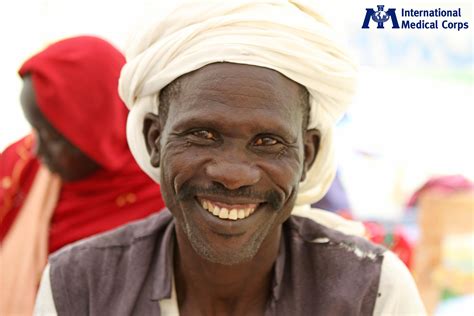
(380, 17)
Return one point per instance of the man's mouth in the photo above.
(228, 211)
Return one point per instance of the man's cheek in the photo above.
(284, 176)
(177, 169)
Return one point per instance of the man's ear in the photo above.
(311, 141)
(152, 134)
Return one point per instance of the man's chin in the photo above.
(226, 250)
(225, 241)
(227, 258)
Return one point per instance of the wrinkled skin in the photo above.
(51, 148)
(234, 134)
(236, 145)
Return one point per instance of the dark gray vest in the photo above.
(319, 271)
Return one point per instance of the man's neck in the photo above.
(206, 288)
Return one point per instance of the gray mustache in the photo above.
(273, 198)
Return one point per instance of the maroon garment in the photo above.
(444, 185)
(129, 270)
(75, 82)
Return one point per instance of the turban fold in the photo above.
(290, 37)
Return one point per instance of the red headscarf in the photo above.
(75, 82)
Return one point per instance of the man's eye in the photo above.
(265, 141)
(205, 134)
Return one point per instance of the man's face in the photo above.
(232, 153)
(51, 147)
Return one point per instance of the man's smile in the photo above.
(231, 216)
(228, 211)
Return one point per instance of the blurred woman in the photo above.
(74, 176)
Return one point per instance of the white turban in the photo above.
(290, 37)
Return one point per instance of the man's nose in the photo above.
(233, 174)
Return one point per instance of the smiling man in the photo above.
(232, 107)
(232, 158)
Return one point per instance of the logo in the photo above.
(380, 17)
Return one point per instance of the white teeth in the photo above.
(215, 210)
(233, 214)
(224, 213)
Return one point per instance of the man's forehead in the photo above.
(230, 81)
(233, 72)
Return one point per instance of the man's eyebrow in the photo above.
(276, 128)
